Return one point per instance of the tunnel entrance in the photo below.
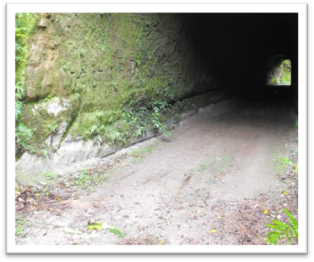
(279, 71)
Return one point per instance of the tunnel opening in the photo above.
(239, 53)
(279, 71)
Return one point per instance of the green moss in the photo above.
(109, 69)
(24, 30)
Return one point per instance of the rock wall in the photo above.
(84, 73)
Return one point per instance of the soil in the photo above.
(218, 180)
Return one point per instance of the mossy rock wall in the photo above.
(92, 68)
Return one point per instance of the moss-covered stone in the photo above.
(104, 65)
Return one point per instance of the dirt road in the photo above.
(209, 184)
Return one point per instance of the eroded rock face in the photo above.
(55, 107)
(72, 153)
(83, 70)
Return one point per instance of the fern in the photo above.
(18, 109)
(23, 131)
(283, 231)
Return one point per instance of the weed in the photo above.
(140, 153)
(116, 231)
(223, 164)
(51, 175)
(20, 224)
(286, 162)
(296, 169)
(218, 166)
(281, 163)
(205, 165)
(87, 180)
(95, 225)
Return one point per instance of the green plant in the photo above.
(98, 140)
(51, 175)
(24, 23)
(95, 225)
(18, 109)
(296, 169)
(281, 73)
(282, 231)
(273, 80)
(117, 232)
(22, 135)
(203, 167)
(53, 128)
(140, 153)
(286, 161)
(20, 224)
(88, 179)
(158, 109)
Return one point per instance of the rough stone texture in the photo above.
(54, 107)
(83, 69)
(100, 62)
(72, 153)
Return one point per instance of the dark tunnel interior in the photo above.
(237, 48)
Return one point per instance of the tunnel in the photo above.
(156, 128)
(119, 78)
(239, 50)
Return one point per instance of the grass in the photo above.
(88, 180)
(277, 161)
(223, 164)
(51, 175)
(20, 224)
(283, 163)
(218, 165)
(140, 153)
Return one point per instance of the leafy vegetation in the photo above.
(140, 153)
(286, 161)
(95, 225)
(20, 224)
(281, 162)
(219, 165)
(22, 133)
(286, 72)
(117, 232)
(118, 92)
(148, 114)
(24, 23)
(281, 74)
(88, 179)
(283, 232)
(51, 175)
